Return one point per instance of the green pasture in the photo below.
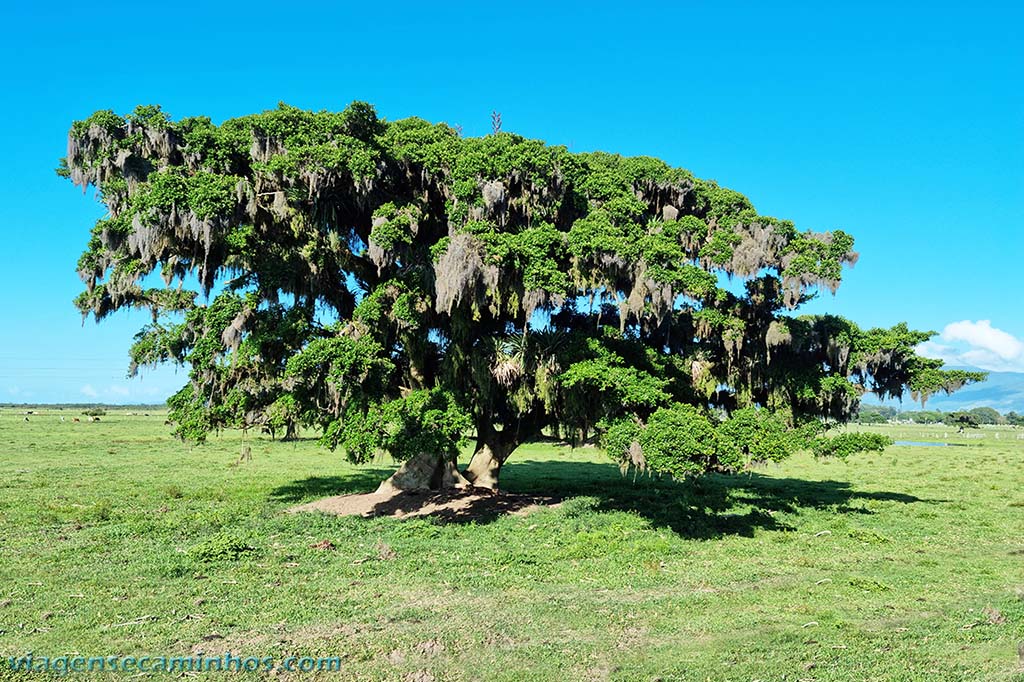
(116, 539)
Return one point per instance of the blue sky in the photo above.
(903, 126)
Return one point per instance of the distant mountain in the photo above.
(1003, 391)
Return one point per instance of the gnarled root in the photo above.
(425, 471)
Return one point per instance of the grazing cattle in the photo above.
(26, 418)
(75, 419)
(62, 420)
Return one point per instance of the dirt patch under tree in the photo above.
(462, 504)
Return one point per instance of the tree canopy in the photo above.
(401, 287)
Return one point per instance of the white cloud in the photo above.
(978, 344)
(119, 390)
(983, 335)
(89, 391)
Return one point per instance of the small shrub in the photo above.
(101, 510)
(95, 412)
(220, 547)
(846, 444)
(579, 506)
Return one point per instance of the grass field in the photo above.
(906, 565)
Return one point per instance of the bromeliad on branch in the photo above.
(401, 287)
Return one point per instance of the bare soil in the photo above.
(465, 504)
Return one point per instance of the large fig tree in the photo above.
(401, 288)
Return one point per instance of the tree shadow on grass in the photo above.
(705, 508)
(314, 487)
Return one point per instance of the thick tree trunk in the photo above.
(426, 471)
(493, 447)
(485, 466)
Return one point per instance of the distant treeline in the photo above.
(81, 406)
(878, 414)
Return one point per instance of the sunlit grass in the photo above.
(904, 565)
